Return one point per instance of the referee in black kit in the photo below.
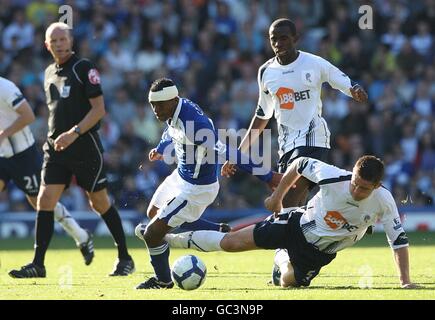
(73, 147)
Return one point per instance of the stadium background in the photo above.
(212, 49)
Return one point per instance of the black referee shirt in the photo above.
(68, 88)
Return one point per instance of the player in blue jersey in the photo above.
(186, 193)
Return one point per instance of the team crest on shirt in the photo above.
(94, 76)
(64, 92)
(308, 77)
(366, 218)
(313, 166)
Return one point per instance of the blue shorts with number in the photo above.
(24, 169)
(284, 232)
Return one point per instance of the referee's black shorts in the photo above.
(83, 159)
(285, 232)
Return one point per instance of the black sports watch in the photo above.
(77, 130)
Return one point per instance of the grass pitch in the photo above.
(365, 271)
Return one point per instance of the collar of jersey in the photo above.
(291, 64)
(71, 59)
(177, 112)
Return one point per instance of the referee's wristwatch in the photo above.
(77, 130)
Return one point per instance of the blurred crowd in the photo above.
(212, 49)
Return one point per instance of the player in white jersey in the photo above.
(290, 89)
(21, 162)
(334, 219)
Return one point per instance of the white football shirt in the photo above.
(292, 92)
(10, 99)
(333, 221)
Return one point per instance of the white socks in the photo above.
(68, 223)
(198, 240)
(281, 258)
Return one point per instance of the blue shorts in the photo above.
(285, 232)
(24, 169)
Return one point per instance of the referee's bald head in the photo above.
(57, 26)
(59, 41)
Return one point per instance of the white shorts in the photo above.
(180, 201)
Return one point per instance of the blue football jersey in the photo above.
(194, 137)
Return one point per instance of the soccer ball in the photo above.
(188, 272)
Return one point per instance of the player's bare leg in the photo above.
(48, 196)
(241, 240)
(152, 211)
(100, 202)
(200, 224)
(158, 250)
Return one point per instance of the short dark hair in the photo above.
(161, 83)
(370, 169)
(284, 22)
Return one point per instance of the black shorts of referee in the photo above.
(82, 159)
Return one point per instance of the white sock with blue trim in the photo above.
(62, 215)
(198, 240)
(281, 258)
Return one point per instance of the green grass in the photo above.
(230, 275)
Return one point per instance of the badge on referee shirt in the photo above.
(64, 93)
(94, 76)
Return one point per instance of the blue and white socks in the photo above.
(160, 262)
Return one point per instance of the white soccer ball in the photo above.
(189, 272)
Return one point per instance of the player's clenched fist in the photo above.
(154, 155)
(358, 93)
(228, 169)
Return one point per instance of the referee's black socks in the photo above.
(44, 227)
(113, 222)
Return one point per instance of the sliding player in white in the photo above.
(21, 162)
(334, 219)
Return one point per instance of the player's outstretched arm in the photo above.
(339, 80)
(245, 163)
(401, 257)
(274, 202)
(255, 129)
